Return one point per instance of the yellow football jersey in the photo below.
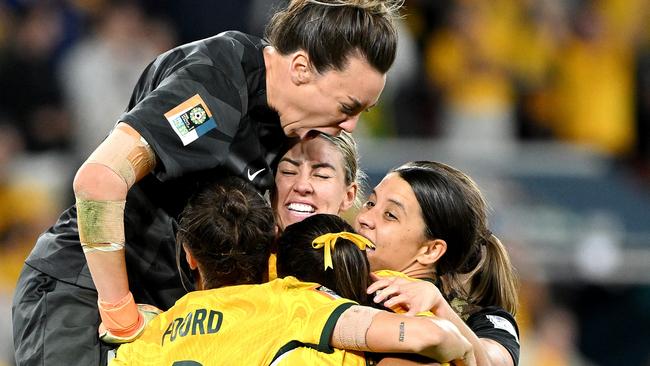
(243, 325)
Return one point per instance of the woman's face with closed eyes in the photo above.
(311, 179)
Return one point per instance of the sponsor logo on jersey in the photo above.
(191, 119)
(500, 322)
(327, 291)
(252, 176)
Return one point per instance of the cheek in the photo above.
(332, 195)
(382, 258)
(390, 246)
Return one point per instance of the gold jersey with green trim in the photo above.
(243, 325)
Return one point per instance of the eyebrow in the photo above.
(356, 104)
(323, 165)
(393, 201)
(397, 203)
(314, 166)
(293, 162)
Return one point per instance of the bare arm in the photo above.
(419, 296)
(105, 178)
(365, 329)
(402, 361)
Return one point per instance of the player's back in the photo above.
(245, 325)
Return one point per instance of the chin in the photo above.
(293, 218)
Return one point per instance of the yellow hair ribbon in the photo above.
(327, 241)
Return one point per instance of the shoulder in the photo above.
(497, 324)
(232, 45)
(311, 291)
(494, 317)
(220, 50)
(243, 39)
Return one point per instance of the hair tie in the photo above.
(328, 241)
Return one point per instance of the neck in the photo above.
(417, 270)
(421, 273)
(198, 280)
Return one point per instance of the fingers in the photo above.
(382, 282)
(386, 293)
(378, 285)
(403, 301)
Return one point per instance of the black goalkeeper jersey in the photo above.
(203, 109)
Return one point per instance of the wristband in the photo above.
(121, 318)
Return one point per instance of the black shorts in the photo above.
(55, 323)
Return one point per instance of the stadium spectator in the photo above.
(110, 58)
(31, 95)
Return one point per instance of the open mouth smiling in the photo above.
(301, 208)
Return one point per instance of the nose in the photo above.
(364, 220)
(349, 124)
(303, 185)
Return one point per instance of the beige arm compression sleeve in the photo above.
(351, 328)
(126, 153)
(101, 222)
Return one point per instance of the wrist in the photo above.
(122, 317)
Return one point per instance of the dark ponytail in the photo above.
(494, 282)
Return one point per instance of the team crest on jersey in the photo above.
(191, 119)
(327, 291)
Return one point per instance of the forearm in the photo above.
(370, 330)
(108, 270)
(496, 353)
(405, 360)
(483, 357)
(97, 183)
(445, 341)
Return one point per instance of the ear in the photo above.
(350, 195)
(190, 259)
(300, 68)
(431, 251)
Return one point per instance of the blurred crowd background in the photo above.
(546, 103)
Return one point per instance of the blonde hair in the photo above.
(347, 146)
